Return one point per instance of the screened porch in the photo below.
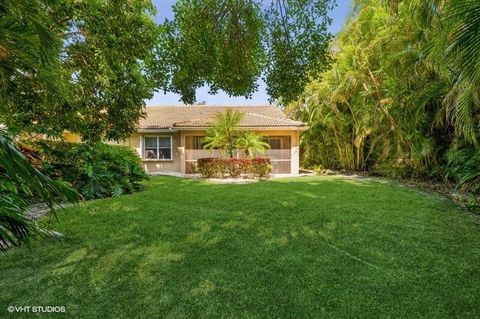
(279, 153)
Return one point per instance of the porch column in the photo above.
(181, 148)
(140, 146)
(295, 154)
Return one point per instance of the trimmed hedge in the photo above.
(95, 171)
(233, 167)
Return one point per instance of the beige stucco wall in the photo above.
(156, 166)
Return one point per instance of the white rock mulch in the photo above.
(177, 174)
(232, 180)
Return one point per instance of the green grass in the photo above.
(289, 248)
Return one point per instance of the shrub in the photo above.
(232, 167)
(20, 182)
(260, 167)
(96, 171)
(464, 168)
(210, 166)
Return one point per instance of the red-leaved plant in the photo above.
(233, 167)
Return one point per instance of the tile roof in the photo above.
(203, 116)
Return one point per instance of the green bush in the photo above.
(464, 168)
(96, 171)
(232, 167)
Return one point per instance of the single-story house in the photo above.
(169, 139)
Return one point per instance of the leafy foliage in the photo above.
(18, 181)
(227, 44)
(297, 45)
(464, 167)
(107, 57)
(456, 47)
(28, 56)
(453, 50)
(102, 60)
(252, 142)
(29, 53)
(215, 42)
(233, 167)
(395, 99)
(359, 112)
(224, 134)
(96, 171)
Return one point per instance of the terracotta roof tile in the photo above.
(203, 116)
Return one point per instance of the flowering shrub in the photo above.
(233, 167)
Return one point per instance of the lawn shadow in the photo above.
(282, 248)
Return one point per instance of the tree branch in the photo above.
(60, 21)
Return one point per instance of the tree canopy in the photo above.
(111, 56)
(230, 44)
(103, 56)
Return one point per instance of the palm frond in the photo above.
(21, 172)
(252, 143)
(19, 176)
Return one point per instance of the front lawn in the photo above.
(290, 248)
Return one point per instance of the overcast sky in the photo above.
(164, 7)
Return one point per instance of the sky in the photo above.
(164, 8)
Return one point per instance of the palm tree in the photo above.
(224, 132)
(252, 143)
(19, 177)
(214, 140)
(453, 28)
(29, 54)
(457, 46)
(29, 51)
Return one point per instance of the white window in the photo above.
(157, 148)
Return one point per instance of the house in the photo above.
(169, 139)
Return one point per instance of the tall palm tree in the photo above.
(453, 28)
(252, 143)
(29, 54)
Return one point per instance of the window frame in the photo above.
(158, 148)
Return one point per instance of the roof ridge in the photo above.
(285, 118)
(263, 115)
(204, 118)
(191, 120)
